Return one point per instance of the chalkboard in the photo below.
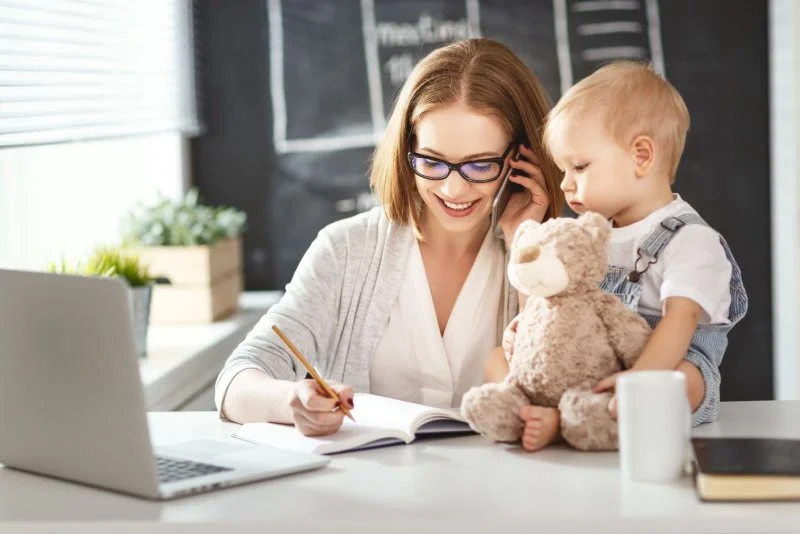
(295, 93)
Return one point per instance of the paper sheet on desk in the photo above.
(351, 436)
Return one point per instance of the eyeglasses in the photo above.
(479, 171)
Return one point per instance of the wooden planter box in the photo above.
(205, 282)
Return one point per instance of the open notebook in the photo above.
(379, 421)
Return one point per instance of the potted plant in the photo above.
(197, 249)
(125, 264)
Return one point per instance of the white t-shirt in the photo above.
(413, 361)
(693, 265)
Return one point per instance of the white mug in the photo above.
(654, 425)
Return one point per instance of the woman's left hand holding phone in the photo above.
(530, 203)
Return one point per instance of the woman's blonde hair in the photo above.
(488, 77)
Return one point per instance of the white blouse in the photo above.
(413, 362)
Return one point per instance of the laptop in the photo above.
(72, 404)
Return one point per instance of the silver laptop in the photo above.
(72, 404)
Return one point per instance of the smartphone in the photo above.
(507, 188)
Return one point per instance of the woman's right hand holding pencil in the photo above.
(315, 413)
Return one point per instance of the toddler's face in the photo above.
(599, 174)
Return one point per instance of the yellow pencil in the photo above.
(312, 371)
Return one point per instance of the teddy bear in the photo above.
(570, 335)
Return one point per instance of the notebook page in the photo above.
(382, 412)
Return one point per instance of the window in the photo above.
(84, 69)
(96, 99)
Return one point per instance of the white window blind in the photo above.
(85, 69)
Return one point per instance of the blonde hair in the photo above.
(488, 77)
(635, 101)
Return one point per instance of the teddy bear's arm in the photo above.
(628, 332)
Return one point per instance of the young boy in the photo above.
(618, 136)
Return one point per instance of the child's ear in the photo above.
(643, 151)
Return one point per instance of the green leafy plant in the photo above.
(182, 222)
(111, 262)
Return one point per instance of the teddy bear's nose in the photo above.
(526, 255)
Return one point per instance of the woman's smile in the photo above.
(458, 209)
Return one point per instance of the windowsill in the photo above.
(184, 360)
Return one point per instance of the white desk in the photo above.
(449, 485)
(183, 361)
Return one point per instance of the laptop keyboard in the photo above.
(172, 470)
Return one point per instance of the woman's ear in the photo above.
(643, 151)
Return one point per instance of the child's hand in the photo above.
(609, 382)
(509, 334)
(612, 407)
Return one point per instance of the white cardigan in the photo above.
(337, 306)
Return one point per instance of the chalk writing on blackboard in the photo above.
(591, 32)
(393, 37)
(391, 48)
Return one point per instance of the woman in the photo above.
(409, 299)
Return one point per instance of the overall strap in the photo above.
(657, 241)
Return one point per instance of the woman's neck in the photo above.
(453, 244)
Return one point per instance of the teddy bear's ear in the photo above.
(597, 226)
(524, 227)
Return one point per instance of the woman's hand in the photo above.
(316, 414)
(530, 203)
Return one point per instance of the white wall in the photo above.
(5, 220)
(785, 193)
(64, 199)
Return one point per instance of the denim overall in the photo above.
(710, 341)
